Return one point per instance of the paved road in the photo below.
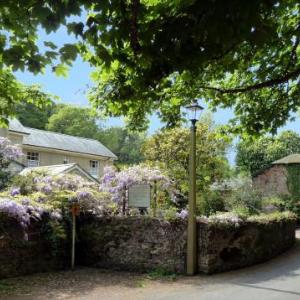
(278, 279)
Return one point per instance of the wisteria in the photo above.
(24, 211)
(46, 195)
(225, 217)
(15, 210)
(8, 151)
(116, 182)
(48, 184)
(15, 191)
(183, 214)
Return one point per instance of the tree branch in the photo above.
(265, 84)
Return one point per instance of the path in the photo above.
(278, 279)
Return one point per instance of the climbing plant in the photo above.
(293, 180)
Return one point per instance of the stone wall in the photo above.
(132, 243)
(143, 244)
(37, 252)
(272, 181)
(228, 247)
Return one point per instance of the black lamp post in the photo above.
(194, 112)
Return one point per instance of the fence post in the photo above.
(154, 198)
(124, 201)
(73, 239)
(75, 210)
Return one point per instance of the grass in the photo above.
(6, 288)
(161, 273)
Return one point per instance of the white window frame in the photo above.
(33, 159)
(66, 160)
(94, 168)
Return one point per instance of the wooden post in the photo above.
(75, 210)
(124, 201)
(73, 238)
(154, 198)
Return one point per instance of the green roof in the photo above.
(290, 159)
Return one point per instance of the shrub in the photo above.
(291, 203)
(272, 204)
(39, 195)
(245, 199)
(116, 183)
(8, 152)
(210, 203)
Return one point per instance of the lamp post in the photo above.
(194, 111)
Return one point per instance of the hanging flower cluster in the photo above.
(48, 184)
(9, 151)
(15, 210)
(115, 182)
(38, 194)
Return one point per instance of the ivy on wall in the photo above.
(293, 180)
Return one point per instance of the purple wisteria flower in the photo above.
(25, 201)
(15, 191)
(115, 182)
(56, 215)
(15, 210)
(84, 195)
(8, 151)
(183, 214)
(47, 189)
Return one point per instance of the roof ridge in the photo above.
(55, 132)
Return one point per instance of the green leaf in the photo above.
(50, 45)
(68, 52)
(61, 70)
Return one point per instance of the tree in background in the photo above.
(170, 148)
(124, 143)
(33, 116)
(255, 155)
(73, 120)
(17, 98)
(83, 122)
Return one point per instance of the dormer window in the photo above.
(33, 159)
(94, 168)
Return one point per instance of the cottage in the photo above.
(277, 178)
(44, 148)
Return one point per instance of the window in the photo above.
(94, 168)
(66, 160)
(33, 159)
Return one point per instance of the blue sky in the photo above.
(73, 88)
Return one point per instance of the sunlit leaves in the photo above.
(13, 93)
(185, 49)
(61, 70)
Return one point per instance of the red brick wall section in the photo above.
(272, 181)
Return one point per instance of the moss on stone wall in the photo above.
(293, 179)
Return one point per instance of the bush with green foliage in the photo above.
(256, 155)
(170, 149)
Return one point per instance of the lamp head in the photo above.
(194, 111)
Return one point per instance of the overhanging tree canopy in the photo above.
(156, 55)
